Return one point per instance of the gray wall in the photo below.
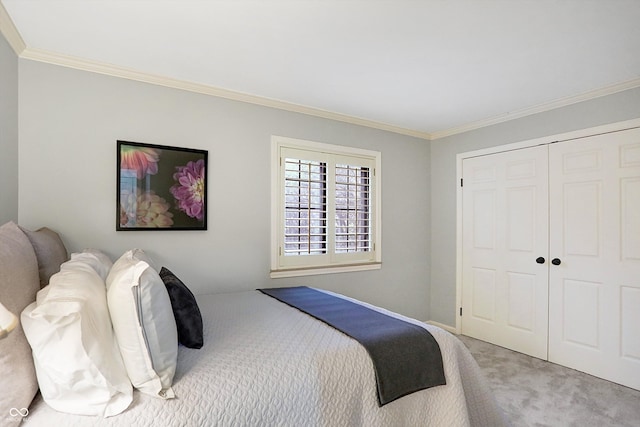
(70, 121)
(8, 133)
(609, 109)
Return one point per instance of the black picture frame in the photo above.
(160, 187)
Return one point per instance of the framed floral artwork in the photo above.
(160, 187)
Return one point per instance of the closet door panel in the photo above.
(595, 235)
(582, 203)
(630, 302)
(505, 223)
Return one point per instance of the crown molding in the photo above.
(10, 32)
(127, 73)
(541, 108)
(16, 42)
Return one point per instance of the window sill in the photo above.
(312, 271)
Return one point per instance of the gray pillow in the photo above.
(50, 252)
(19, 283)
(185, 310)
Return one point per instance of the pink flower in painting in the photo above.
(189, 189)
(143, 160)
(146, 210)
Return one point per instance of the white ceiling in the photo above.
(428, 68)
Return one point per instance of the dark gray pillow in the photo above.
(185, 310)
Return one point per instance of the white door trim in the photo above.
(612, 127)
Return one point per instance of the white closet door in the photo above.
(594, 293)
(505, 230)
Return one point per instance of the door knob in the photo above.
(556, 261)
(540, 260)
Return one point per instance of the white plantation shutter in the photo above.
(327, 206)
(352, 208)
(305, 207)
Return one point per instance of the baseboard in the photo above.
(447, 328)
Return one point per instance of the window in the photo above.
(326, 208)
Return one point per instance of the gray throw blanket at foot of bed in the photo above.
(406, 357)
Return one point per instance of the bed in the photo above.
(265, 363)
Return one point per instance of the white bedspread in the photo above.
(264, 363)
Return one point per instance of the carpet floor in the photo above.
(533, 392)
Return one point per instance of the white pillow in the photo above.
(97, 259)
(144, 324)
(78, 363)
